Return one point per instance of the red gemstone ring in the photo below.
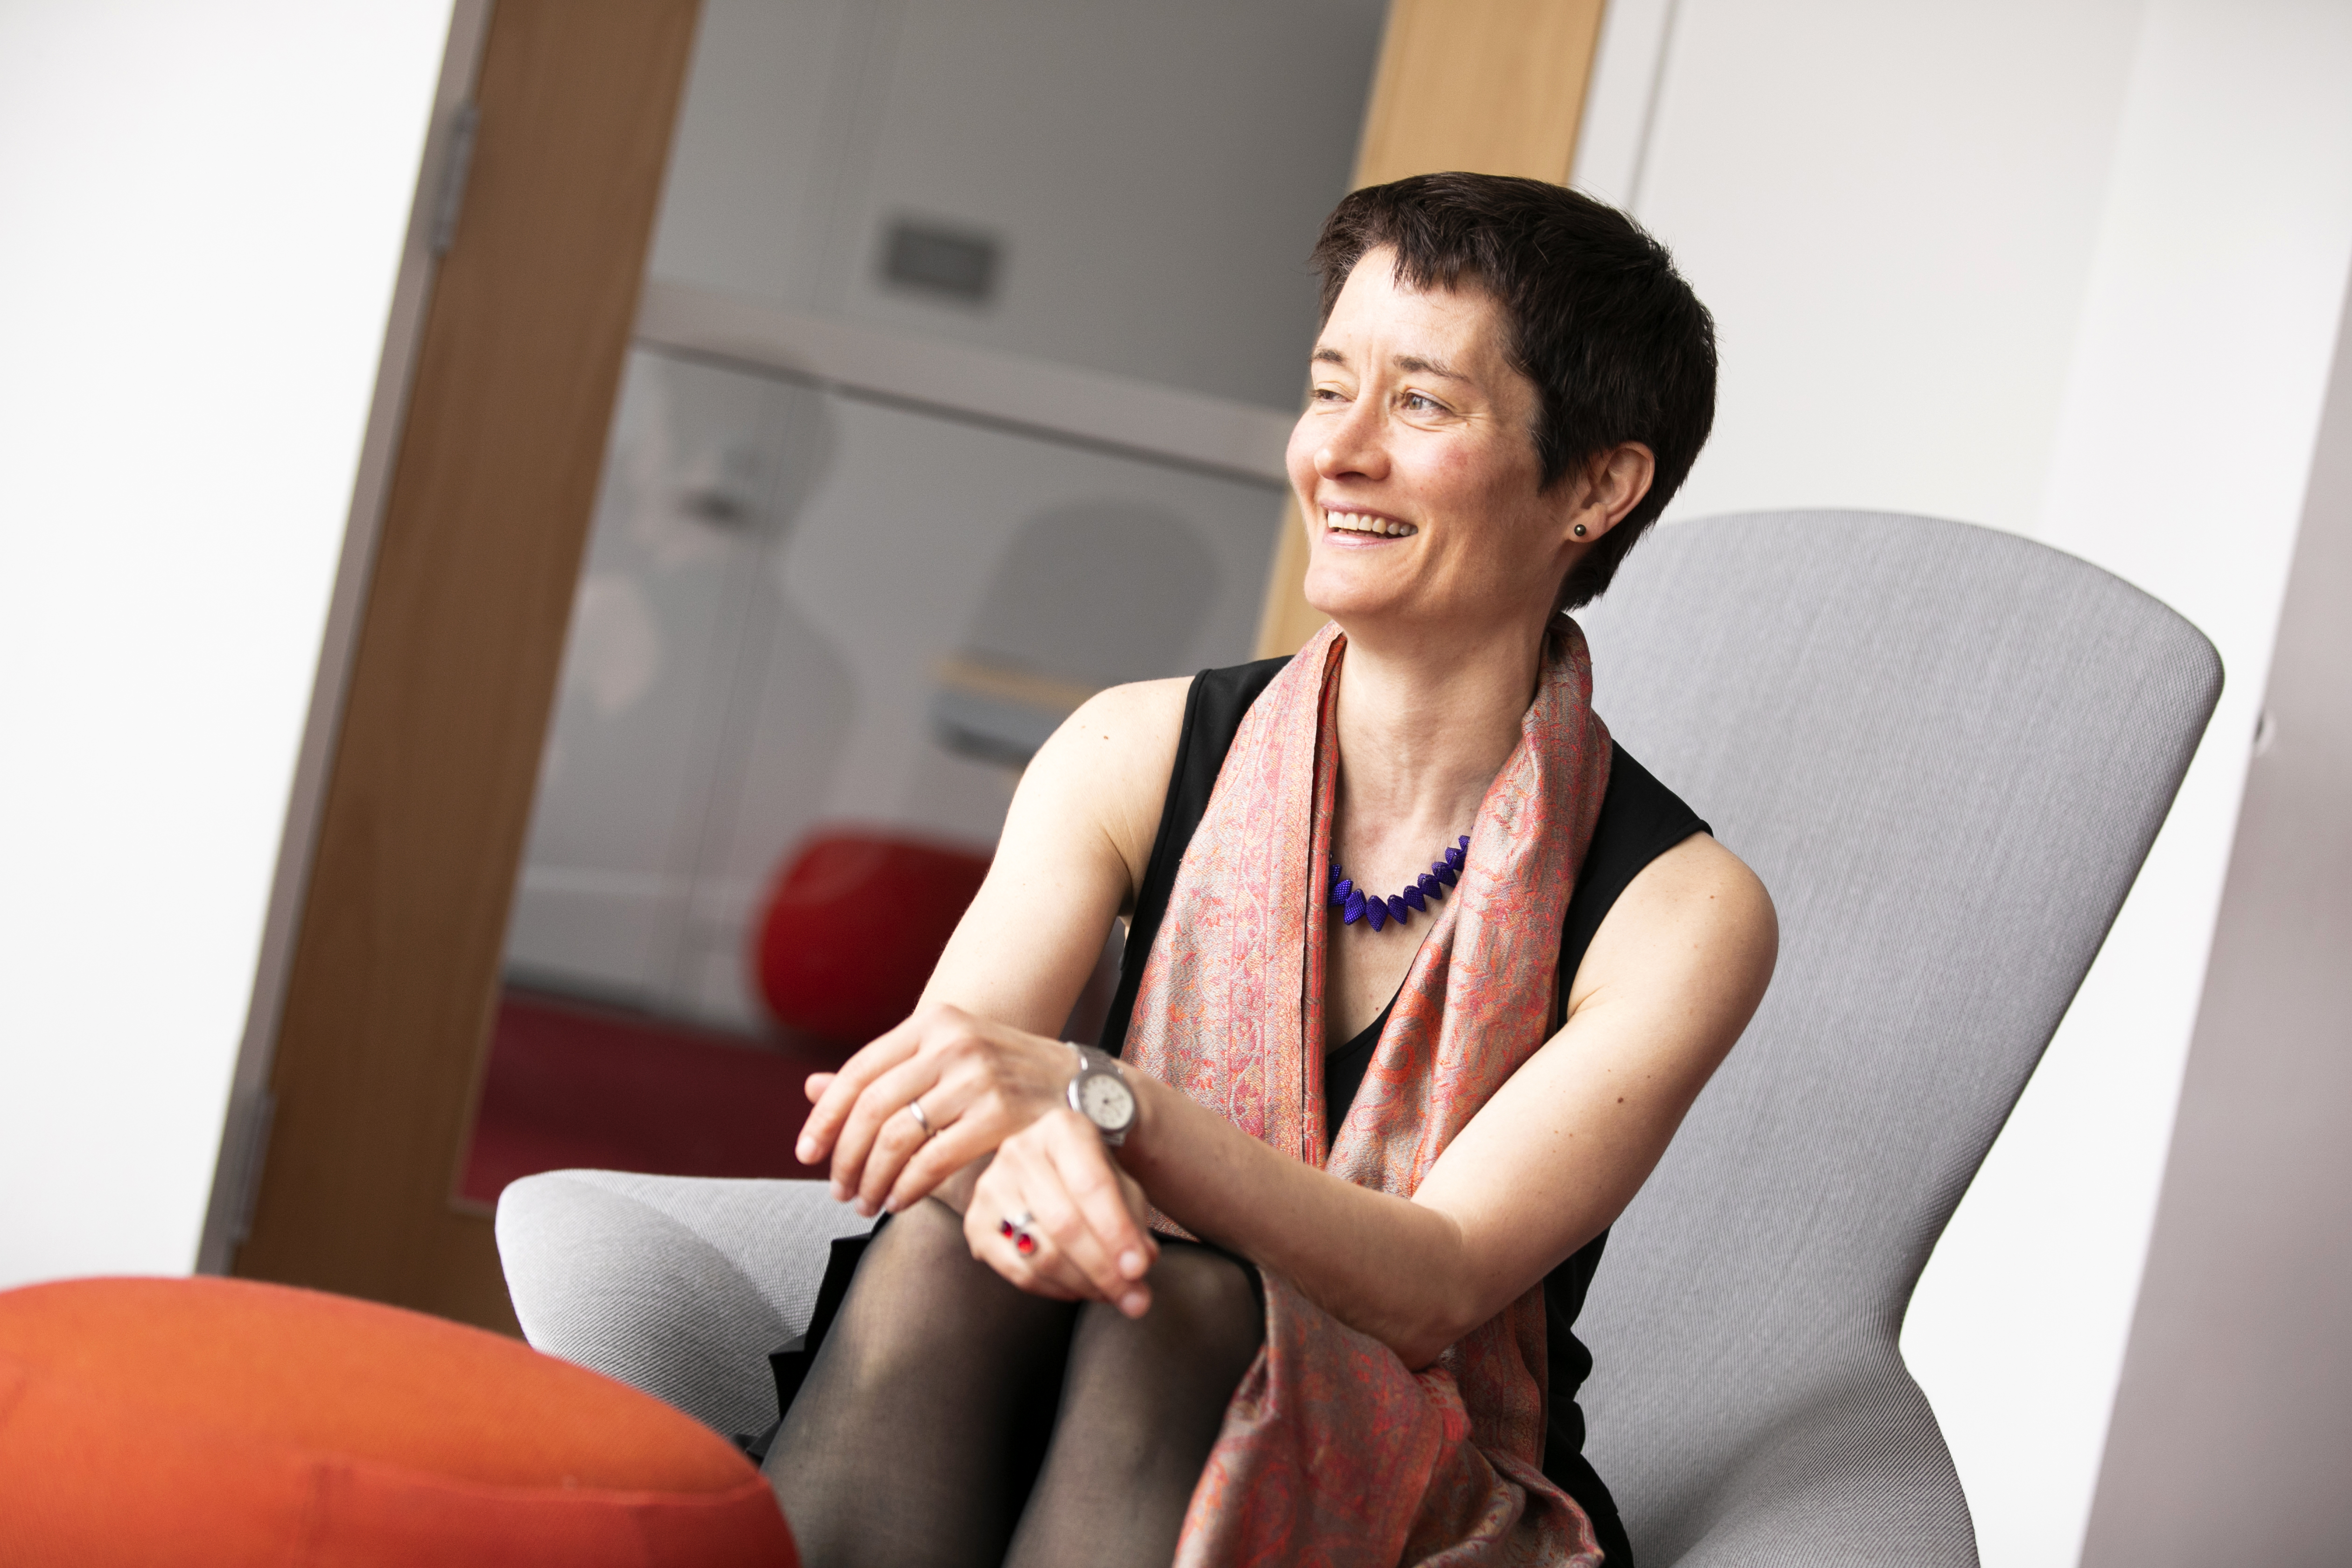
(1016, 1228)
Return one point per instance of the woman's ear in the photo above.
(1614, 482)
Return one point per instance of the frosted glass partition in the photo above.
(801, 608)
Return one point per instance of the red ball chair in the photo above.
(218, 1423)
(854, 927)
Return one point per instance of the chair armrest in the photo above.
(1854, 1478)
(678, 1286)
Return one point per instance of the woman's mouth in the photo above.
(1368, 522)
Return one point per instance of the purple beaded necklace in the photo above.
(1431, 884)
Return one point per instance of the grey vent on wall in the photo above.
(950, 263)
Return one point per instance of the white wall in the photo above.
(206, 208)
(2073, 271)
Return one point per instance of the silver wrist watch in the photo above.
(1099, 1093)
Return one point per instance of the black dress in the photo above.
(1640, 820)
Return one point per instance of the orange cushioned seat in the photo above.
(200, 1422)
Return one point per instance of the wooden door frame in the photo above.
(429, 751)
(394, 957)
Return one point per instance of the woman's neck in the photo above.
(1424, 731)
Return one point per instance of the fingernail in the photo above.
(840, 1193)
(806, 1151)
(1133, 1303)
(890, 1203)
(865, 1207)
(1131, 1264)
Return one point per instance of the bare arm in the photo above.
(1072, 852)
(977, 1053)
(1668, 983)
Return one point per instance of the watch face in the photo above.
(1107, 1102)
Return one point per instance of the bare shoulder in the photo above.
(1118, 737)
(1105, 770)
(1696, 913)
(1142, 711)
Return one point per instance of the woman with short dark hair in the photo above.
(1423, 972)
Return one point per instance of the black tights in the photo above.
(951, 1419)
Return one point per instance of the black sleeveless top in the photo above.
(1640, 820)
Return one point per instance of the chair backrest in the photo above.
(1945, 751)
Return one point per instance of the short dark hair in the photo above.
(1617, 346)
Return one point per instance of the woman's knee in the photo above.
(1217, 1293)
(927, 1237)
(919, 1293)
(1205, 1321)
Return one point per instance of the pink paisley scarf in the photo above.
(1332, 1453)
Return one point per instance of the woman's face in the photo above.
(1416, 469)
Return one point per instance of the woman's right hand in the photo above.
(1055, 1215)
(978, 1083)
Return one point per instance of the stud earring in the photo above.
(1579, 531)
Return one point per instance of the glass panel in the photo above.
(818, 632)
(1153, 174)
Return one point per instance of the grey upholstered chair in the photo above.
(1945, 751)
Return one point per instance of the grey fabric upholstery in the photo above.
(677, 1285)
(1945, 751)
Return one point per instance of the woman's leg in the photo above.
(1141, 1403)
(904, 1446)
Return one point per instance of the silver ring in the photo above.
(915, 1109)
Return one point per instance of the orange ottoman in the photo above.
(200, 1422)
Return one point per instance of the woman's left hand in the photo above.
(976, 1082)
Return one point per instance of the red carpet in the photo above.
(572, 1085)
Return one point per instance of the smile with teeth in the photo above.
(1364, 522)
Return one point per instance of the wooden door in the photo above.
(395, 960)
(1492, 87)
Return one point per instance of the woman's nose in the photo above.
(1354, 446)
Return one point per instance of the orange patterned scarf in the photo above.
(1332, 1452)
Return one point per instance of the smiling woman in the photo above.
(1290, 1267)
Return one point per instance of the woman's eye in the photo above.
(1414, 402)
